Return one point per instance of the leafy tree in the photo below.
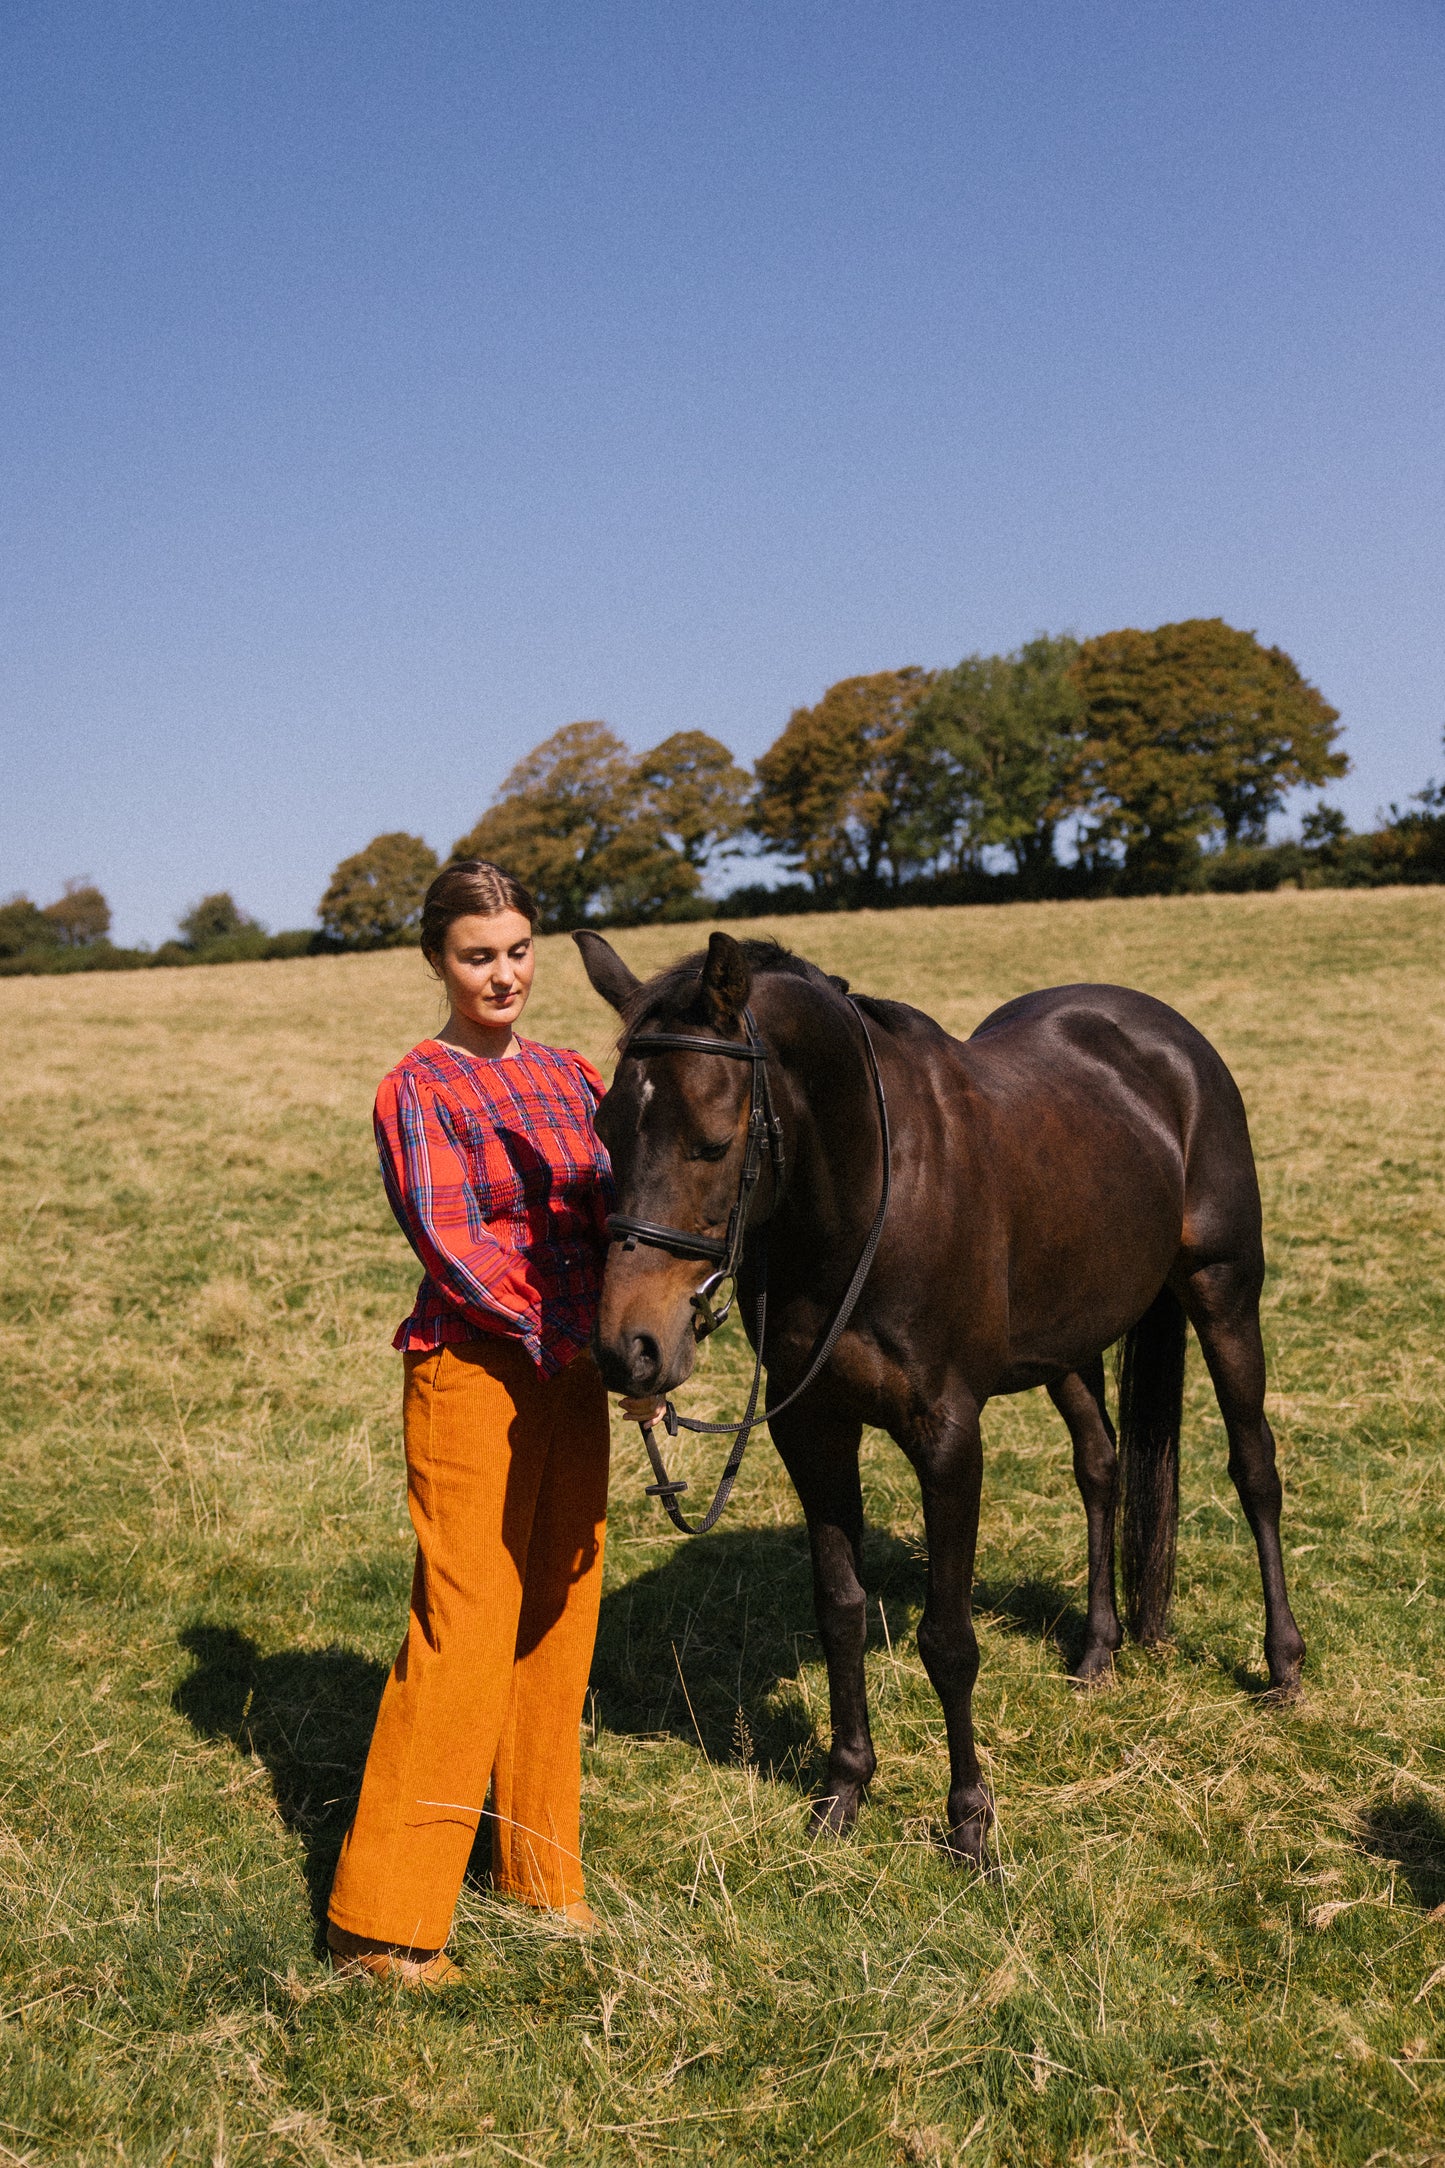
(832, 790)
(696, 793)
(374, 898)
(214, 918)
(1410, 845)
(555, 817)
(24, 926)
(81, 916)
(993, 756)
(571, 820)
(1323, 827)
(1190, 728)
(639, 875)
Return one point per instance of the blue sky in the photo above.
(384, 387)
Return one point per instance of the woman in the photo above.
(502, 1187)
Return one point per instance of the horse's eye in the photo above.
(711, 1151)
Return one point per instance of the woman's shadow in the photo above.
(716, 1628)
(306, 1714)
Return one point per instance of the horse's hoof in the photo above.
(833, 1816)
(966, 1837)
(1095, 1669)
(968, 1846)
(1284, 1672)
(1283, 1693)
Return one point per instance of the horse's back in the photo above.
(1137, 1039)
(1078, 1010)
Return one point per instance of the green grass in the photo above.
(1209, 1937)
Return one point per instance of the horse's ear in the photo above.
(605, 968)
(726, 983)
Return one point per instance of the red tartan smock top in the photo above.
(502, 1187)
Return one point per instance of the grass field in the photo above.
(1210, 1935)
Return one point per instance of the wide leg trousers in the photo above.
(507, 1487)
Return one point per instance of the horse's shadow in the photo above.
(1407, 1831)
(1037, 1610)
(710, 1644)
(713, 1645)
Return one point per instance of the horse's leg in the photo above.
(819, 1449)
(1223, 1305)
(1079, 1398)
(948, 1453)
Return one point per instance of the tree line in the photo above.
(1162, 754)
(1159, 756)
(71, 934)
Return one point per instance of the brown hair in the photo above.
(471, 887)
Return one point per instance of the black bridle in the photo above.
(765, 1132)
(765, 1136)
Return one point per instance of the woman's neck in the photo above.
(488, 1042)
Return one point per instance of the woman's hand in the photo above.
(646, 1409)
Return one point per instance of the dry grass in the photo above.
(1210, 1936)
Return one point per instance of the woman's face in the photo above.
(487, 967)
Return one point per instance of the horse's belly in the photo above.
(1022, 1377)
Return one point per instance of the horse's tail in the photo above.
(1151, 1399)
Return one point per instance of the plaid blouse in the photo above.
(502, 1187)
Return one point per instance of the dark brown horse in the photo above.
(1077, 1173)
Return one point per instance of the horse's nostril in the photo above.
(645, 1356)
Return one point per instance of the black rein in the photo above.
(764, 1134)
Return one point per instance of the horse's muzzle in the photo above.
(631, 1363)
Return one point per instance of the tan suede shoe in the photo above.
(353, 1957)
(579, 1914)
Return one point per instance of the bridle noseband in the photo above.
(764, 1134)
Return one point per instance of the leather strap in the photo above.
(666, 1487)
(650, 1042)
(657, 1237)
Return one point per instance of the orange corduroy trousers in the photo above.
(507, 1486)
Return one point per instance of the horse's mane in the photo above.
(676, 988)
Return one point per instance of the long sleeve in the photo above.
(434, 1194)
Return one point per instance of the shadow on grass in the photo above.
(1039, 1610)
(724, 1624)
(307, 1714)
(1406, 1830)
(1254, 1682)
(710, 1644)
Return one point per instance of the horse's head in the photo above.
(675, 1124)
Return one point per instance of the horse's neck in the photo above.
(832, 1125)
